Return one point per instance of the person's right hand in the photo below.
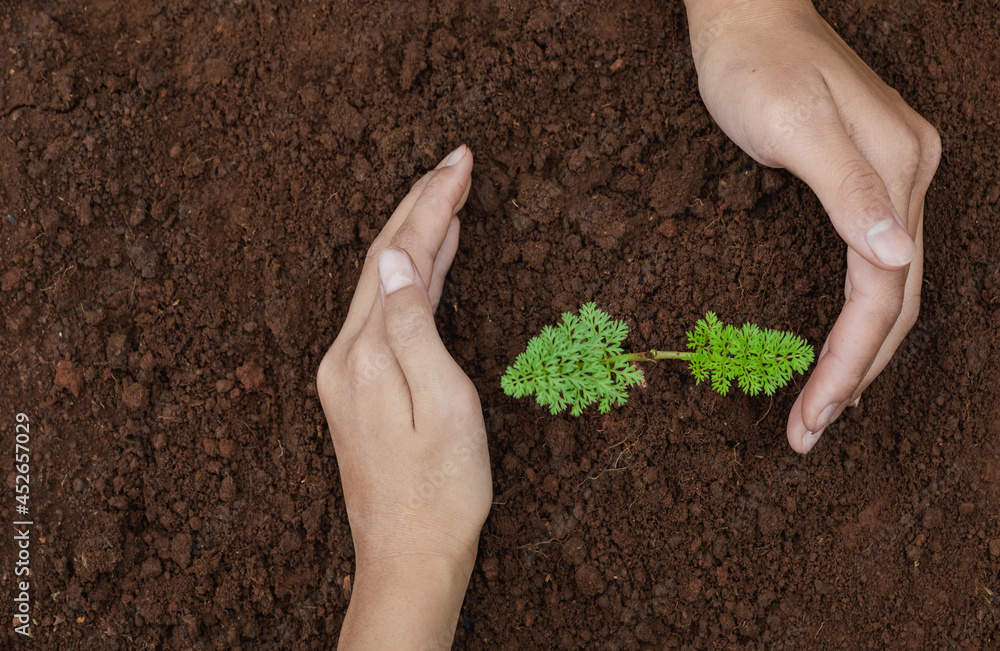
(785, 87)
(408, 429)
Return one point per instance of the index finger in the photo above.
(454, 169)
(868, 317)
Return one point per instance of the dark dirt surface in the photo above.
(187, 192)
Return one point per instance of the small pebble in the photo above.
(12, 219)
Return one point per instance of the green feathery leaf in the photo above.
(575, 364)
(758, 359)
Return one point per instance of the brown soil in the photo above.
(188, 189)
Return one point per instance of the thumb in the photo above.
(410, 329)
(855, 197)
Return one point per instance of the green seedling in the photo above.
(580, 361)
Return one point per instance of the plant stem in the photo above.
(653, 356)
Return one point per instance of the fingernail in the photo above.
(394, 270)
(890, 243)
(452, 158)
(809, 439)
(826, 416)
(857, 401)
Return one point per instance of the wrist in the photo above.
(396, 552)
(408, 570)
(406, 602)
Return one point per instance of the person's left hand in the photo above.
(785, 87)
(408, 428)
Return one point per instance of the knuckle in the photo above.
(930, 148)
(789, 114)
(895, 98)
(439, 189)
(854, 373)
(375, 249)
(461, 408)
(434, 201)
(419, 186)
(888, 311)
(365, 361)
(908, 150)
(784, 117)
(327, 377)
(417, 246)
(768, 149)
(440, 196)
(467, 396)
(406, 238)
(861, 188)
(408, 325)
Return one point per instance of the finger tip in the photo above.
(796, 437)
(460, 157)
(891, 246)
(453, 158)
(814, 422)
(796, 428)
(809, 440)
(467, 163)
(800, 437)
(819, 403)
